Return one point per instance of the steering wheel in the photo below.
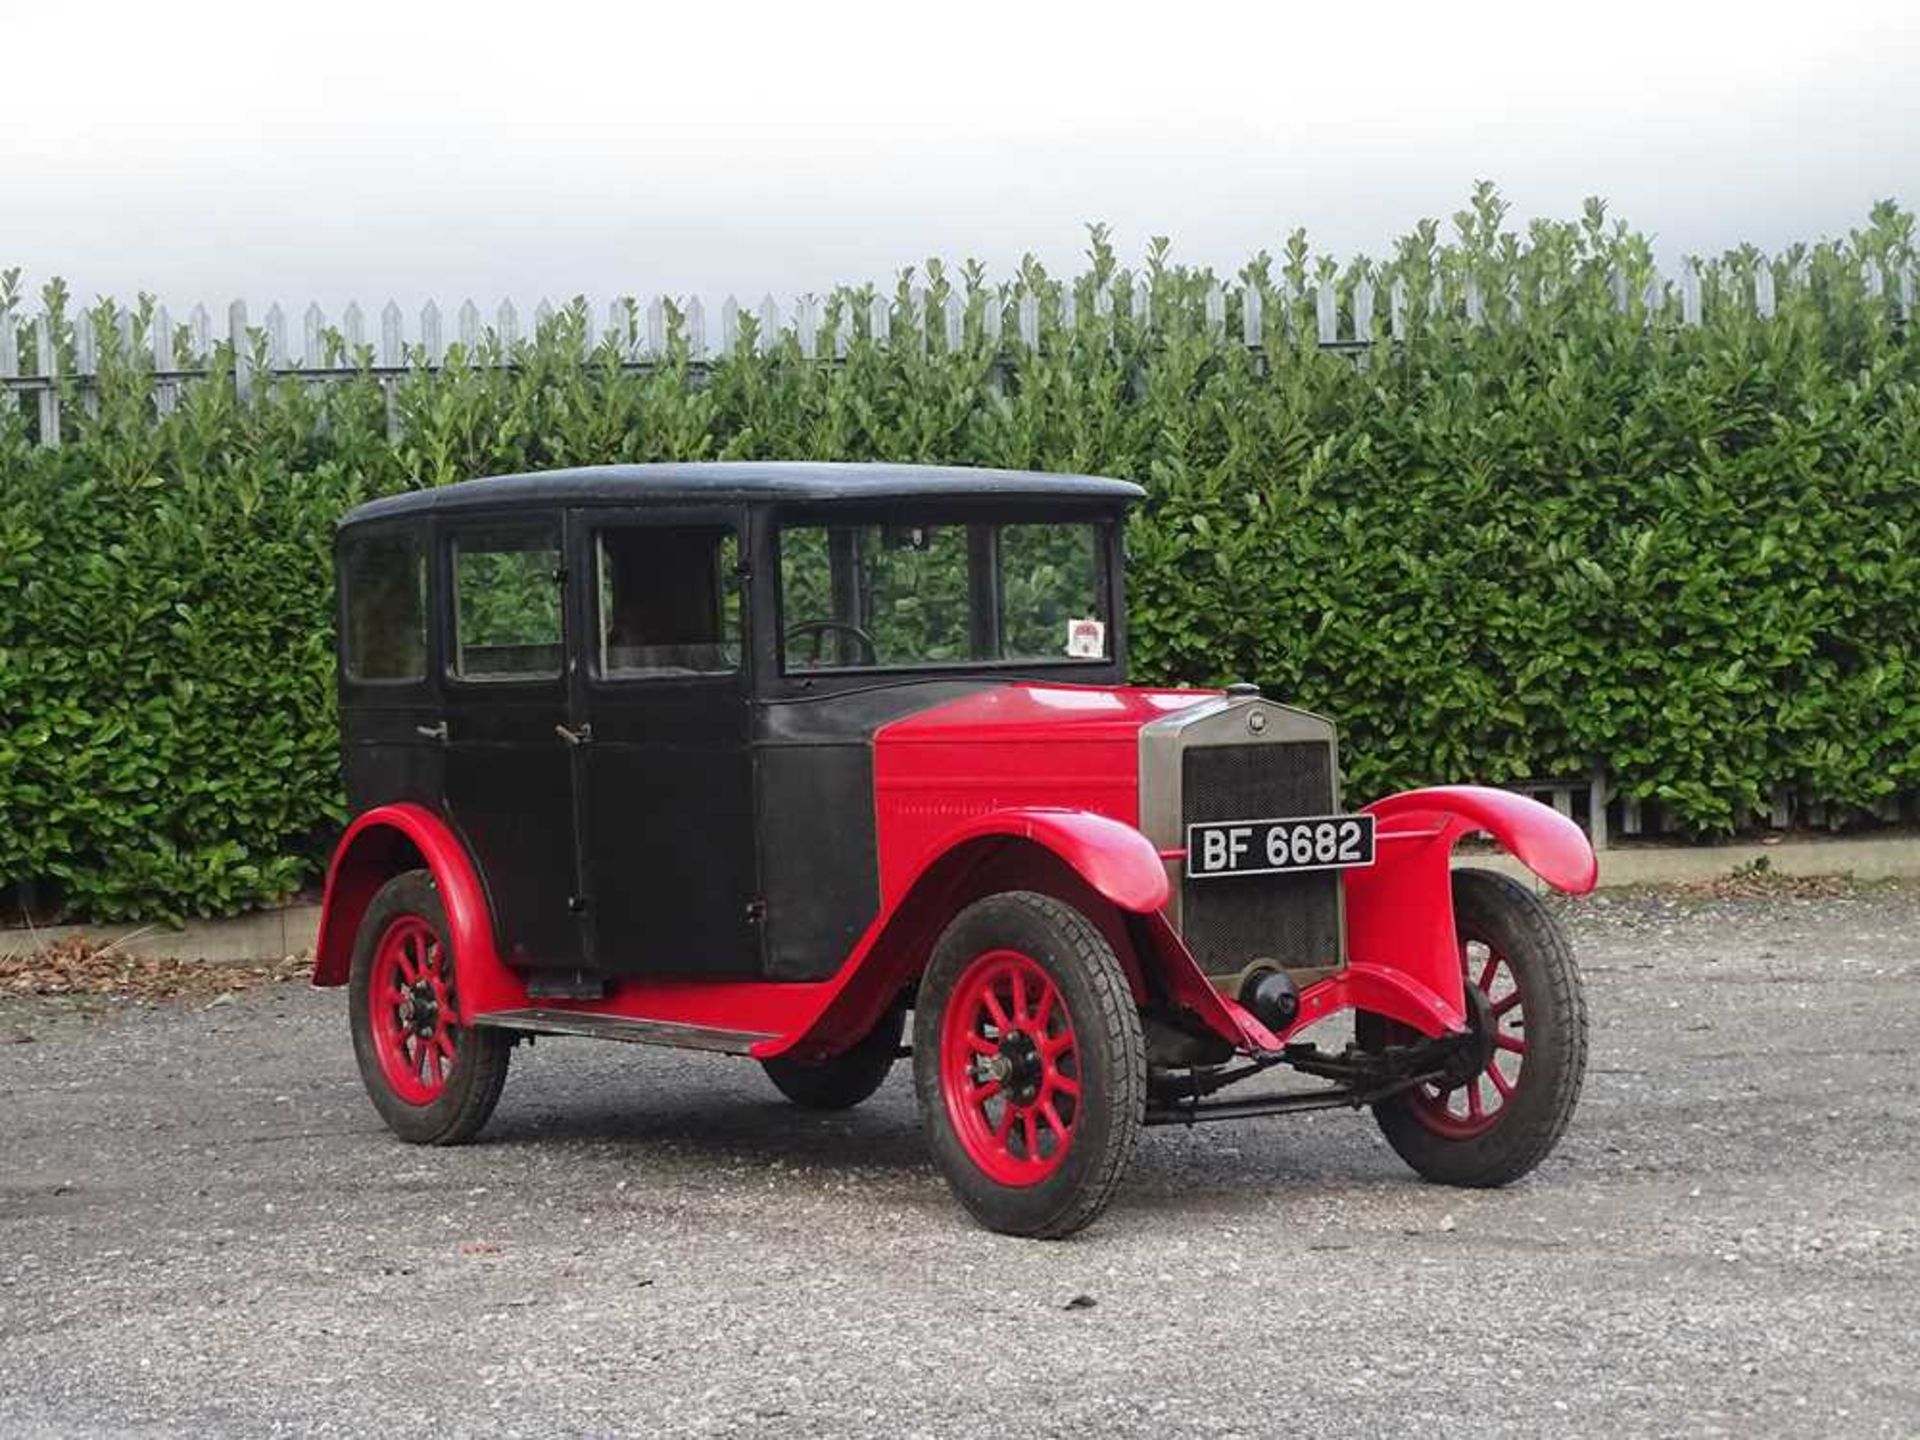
(820, 629)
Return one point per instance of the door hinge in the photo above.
(756, 912)
(437, 731)
(582, 736)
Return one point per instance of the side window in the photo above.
(385, 578)
(669, 601)
(506, 595)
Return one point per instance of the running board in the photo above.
(620, 1027)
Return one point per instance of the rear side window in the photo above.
(506, 595)
(669, 601)
(385, 578)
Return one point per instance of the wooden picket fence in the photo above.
(36, 367)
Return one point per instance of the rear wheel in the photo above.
(844, 1080)
(1506, 1110)
(1029, 1064)
(433, 1080)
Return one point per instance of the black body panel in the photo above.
(819, 857)
(1291, 919)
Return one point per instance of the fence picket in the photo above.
(1363, 310)
(1030, 320)
(1069, 309)
(84, 360)
(1764, 300)
(1906, 294)
(1142, 303)
(200, 334)
(47, 366)
(696, 318)
(312, 347)
(166, 394)
(506, 325)
(542, 317)
(469, 322)
(431, 340)
(1871, 279)
(9, 356)
(806, 327)
(729, 325)
(657, 327)
(956, 317)
(879, 320)
(1397, 309)
(1476, 303)
(353, 331)
(242, 343)
(1326, 315)
(1653, 298)
(275, 324)
(393, 340)
(1690, 293)
(1216, 306)
(991, 319)
(1253, 325)
(769, 322)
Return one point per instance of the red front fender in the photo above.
(1403, 953)
(1115, 859)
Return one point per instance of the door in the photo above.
(509, 758)
(666, 795)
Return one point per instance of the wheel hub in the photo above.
(1475, 1050)
(1017, 1067)
(421, 1010)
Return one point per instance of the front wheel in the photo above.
(1029, 1064)
(433, 1080)
(1528, 1015)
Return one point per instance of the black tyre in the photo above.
(844, 1080)
(1029, 1064)
(434, 1081)
(1524, 999)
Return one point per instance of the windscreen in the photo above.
(877, 596)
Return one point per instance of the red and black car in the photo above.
(763, 758)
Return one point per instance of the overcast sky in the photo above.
(341, 149)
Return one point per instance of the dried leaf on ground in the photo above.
(81, 965)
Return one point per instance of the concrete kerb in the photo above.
(271, 934)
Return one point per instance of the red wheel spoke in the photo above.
(1065, 1084)
(1052, 1117)
(980, 1094)
(1044, 1012)
(1500, 1082)
(1505, 1003)
(992, 1002)
(1474, 1112)
(1019, 989)
(1511, 1043)
(1030, 1129)
(980, 1045)
(444, 1041)
(1489, 970)
(1052, 1047)
(1003, 1131)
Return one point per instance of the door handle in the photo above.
(432, 732)
(582, 736)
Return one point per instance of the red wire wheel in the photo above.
(1527, 1055)
(1010, 1068)
(413, 1010)
(433, 1080)
(1029, 1064)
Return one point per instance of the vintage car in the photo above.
(763, 758)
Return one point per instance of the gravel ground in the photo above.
(204, 1229)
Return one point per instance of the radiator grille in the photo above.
(1292, 919)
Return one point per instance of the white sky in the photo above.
(346, 150)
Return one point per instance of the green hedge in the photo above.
(1568, 536)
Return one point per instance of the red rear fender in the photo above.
(383, 843)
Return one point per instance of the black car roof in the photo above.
(745, 481)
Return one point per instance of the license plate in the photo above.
(1278, 847)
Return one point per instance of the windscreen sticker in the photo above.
(1086, 639)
